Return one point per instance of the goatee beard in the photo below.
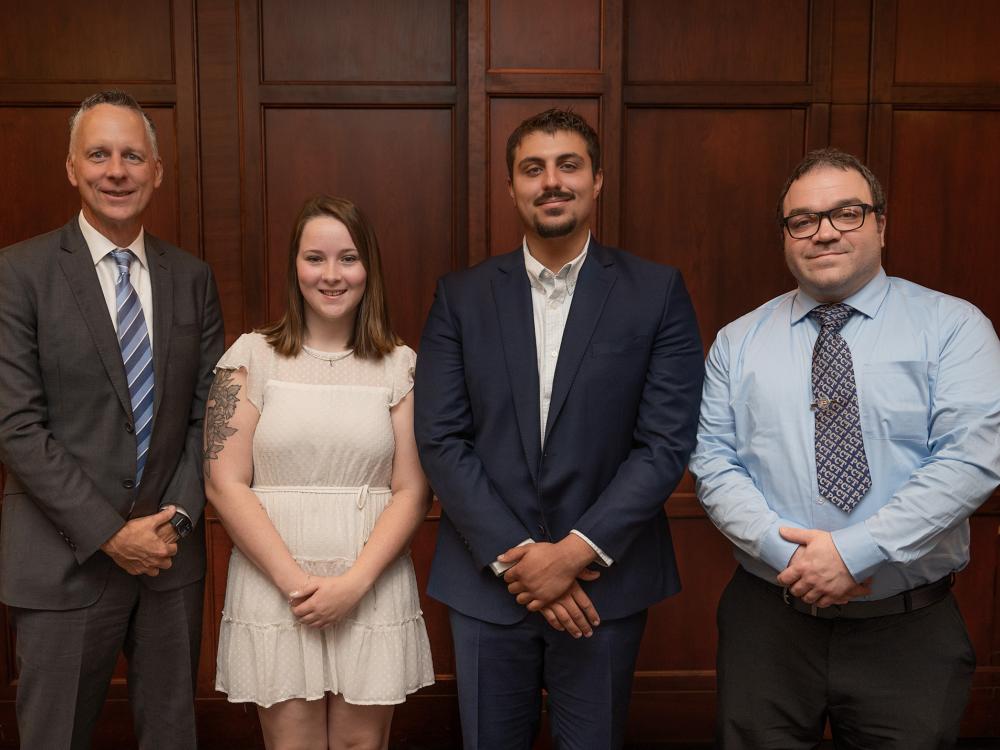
(551, 231)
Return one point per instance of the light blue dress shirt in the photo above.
(927, 367)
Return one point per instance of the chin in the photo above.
(552, 231)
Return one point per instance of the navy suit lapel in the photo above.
(163, 316)
(597, 276)
(512, 296)
(78, 266)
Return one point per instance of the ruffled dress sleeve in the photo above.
(252, 353)
(401, 363)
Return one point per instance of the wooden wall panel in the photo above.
(100, 40)
(505, 231)
(750, 41)
(356, 40)
(556, 35)
(947, 43)
(943, 201)
(395, 164)
(700, 187)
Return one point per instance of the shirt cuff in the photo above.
(602, 559)
(180, 510)
(775, 550)
(499, 568)
(858, 550)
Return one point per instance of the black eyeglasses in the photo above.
(842, 218)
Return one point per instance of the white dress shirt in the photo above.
(107, 271)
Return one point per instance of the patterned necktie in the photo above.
(841, 465)
(133, 337)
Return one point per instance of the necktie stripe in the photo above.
(137, 357)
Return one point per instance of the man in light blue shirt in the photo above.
(841, 608)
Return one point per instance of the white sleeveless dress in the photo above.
(322, 459)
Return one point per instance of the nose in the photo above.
(331, 270)
(550, 178)
(116, 166)
(827, 232)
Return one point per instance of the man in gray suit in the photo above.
(108, 337)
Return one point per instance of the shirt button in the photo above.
(820, 500)
(553, 353)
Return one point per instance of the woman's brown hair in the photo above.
(373, 336)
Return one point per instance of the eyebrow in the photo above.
(839, 204)
(568, 156)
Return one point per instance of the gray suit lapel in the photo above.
(163, 315)
(77, 265)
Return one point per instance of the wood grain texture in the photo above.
(754, 40)
(95, 41)
(356, 40)
(556, 35)
(947, 43)
(942, 202)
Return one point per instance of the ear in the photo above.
(880, 227)
(158, 172)
(598, 183)
(510, 189)
(71, 170)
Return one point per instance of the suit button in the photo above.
(128, 484)
(541, 529)
(129, 428)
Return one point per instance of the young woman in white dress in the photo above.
(311, 464)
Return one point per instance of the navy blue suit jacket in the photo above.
(620, 428)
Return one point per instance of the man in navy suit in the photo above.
(557, 395)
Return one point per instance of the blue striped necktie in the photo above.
(133, 337)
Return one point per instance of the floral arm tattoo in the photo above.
(222, 400)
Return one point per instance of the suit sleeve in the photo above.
(444, 427)
(664, 432)
(54, 479)
(186, 488)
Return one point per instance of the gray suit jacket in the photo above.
(66, 434)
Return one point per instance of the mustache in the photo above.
(553, 195)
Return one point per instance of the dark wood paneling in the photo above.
(556, 35)
(36, 194)
(754, 40)
(221, 148)
(396, 164)
(947, 43)
(699, 193)
(505, 231)
(99, 40)
(943, 201)
(356, 40)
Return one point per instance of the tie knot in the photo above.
(123, 259)
(832, 317)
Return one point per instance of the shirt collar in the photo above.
(100, 246)
(569, 272)
(867, 300)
